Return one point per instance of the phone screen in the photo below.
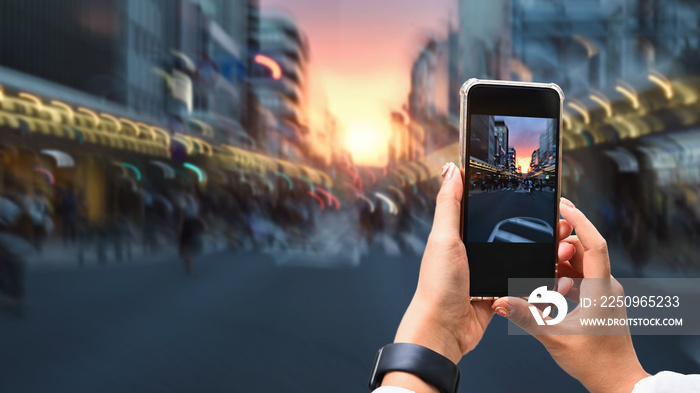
(511, 195)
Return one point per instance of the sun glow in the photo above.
(367, 144)
(524, 163)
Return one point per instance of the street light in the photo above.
(603, 101)
(580, 109)
(201, 176)
(629, 92)
(65, 107)
(63, 160)
(33, 99)
(133, 168)
(567, 121)
(591, 48)
(117, 124)
(92, 114)
(132, 124)
(662, 82)
(271, 64)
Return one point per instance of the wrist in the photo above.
(619, 379)
(618, 383)
(415, 367)
(419, 326)
(409, 381)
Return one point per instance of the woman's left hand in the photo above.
(440, 316)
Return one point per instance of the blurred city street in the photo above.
(240, 324)
(235, 195)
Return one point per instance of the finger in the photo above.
(564, 229)
(565, 251)
(566, 287)
(564, 284)
(564, 269)
(576, 260)
(448, 204)
(573, 295)
(518, 312)
(483, 311)
(598, 265)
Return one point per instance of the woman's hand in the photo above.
(440, 316)
(602, 363)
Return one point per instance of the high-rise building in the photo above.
(551, 141)
(534, 161)
(208, 56)
(125, 67)
(543, 149)
(484, 39)
(512, 164)
(500, 130)
(482, 145)
(429, 81)
(547, 151)
(283, 88)
(103, 48)
(432, 94)
(578, 44)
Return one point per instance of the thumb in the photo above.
(448, 205)
(517, 310)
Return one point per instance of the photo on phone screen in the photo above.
(512, 180)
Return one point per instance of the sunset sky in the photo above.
(524, 135)
(361, 55)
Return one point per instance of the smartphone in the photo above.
(510, 138)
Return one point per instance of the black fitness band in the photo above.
(425, 363)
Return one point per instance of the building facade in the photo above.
(578, 44)
(433, 100)
(280, 83)
(512, 164)
(107, 81)
(500, 130)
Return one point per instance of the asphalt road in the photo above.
(489, 208)
(242, 324)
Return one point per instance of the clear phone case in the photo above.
(463, 92)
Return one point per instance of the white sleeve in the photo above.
(391, 389)
(668, 382)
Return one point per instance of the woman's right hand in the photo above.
(602, 363)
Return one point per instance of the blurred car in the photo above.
(522, 230)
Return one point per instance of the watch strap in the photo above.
(425, 363)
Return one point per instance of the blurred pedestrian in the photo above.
(12, 251)
(366, 221)
(42, 224)
(191, 230)
(12, 270)
(68, 207)
(378, 219)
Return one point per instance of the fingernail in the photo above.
(567, 202)
(444, 169)
(502, 311)
(447, 171)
